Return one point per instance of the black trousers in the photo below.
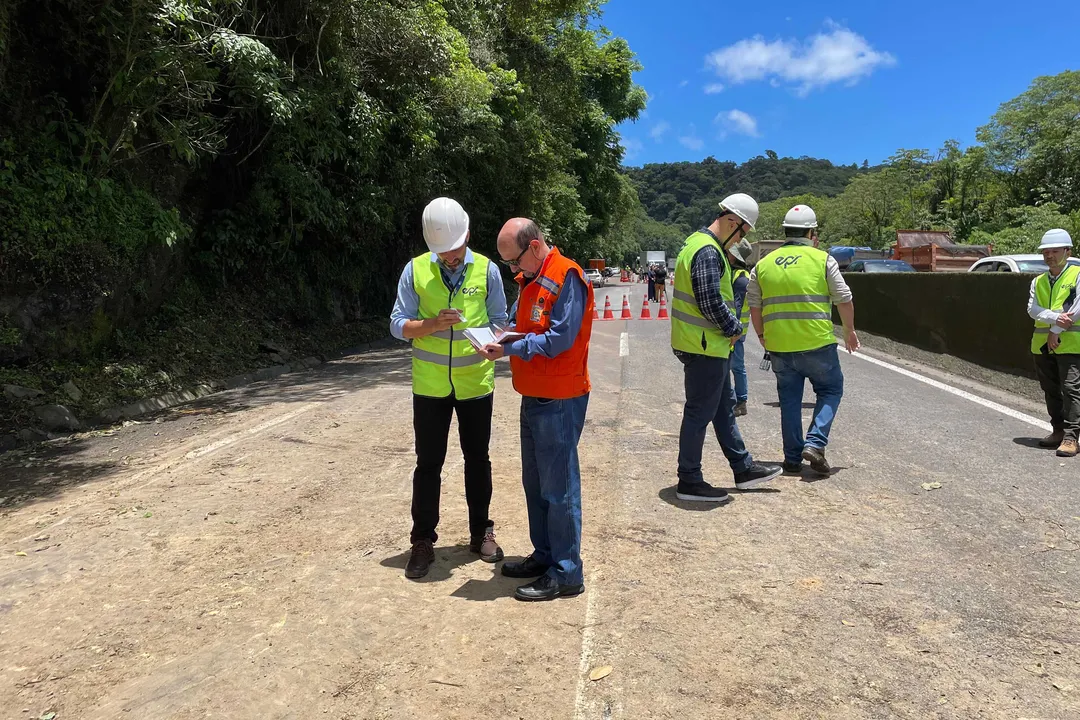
(431, 426)
(1059, 376)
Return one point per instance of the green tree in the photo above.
(1034, 139)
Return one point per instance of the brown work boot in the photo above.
(423, 554)
(486, 546)
(1068, 448)
(1052, 440)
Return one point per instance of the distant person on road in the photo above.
(704, 327)
(791, 293)
(652, 282)
(1054, 305)
(739, 255)
(441, 293)
(550, 367)
(660, 288)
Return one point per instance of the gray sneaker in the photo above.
(486, 546)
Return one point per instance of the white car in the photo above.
(1030, 264)
(593, 275)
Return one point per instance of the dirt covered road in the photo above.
(243, 558)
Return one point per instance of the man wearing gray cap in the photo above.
(739, 255)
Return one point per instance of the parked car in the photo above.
(879, 266)
(1030, 264)
(593, 276)
(609, 271)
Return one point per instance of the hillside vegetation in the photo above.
(179, 178)
(1021, 179)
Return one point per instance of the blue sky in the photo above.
(856, 81)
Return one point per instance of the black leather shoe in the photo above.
(547, 588)
(526, 568)
(423, 554)
(792, 468)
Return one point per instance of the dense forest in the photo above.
(176, 169)
(1021, 179)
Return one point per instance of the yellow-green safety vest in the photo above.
(690, 331)
(795, 305)
(445, 362)
(1053, 298)
(744, 314)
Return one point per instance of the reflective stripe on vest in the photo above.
(445, 362)
(690, 331)
(1054, 298)
(795, 305)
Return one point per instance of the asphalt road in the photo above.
(243, 558)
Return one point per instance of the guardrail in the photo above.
(980, 317)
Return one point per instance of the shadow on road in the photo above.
(776, 404)
(494, 588)
(44, 470)
(1029, 442)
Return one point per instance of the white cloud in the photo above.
(684, 83)
(738, 122)
(838, 55)
(659, 130)
(633, 147)
(714, 88)
(692, 142)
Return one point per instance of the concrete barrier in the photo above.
(980, 317)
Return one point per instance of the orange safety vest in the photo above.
(566, 375)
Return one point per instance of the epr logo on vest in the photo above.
(787, 261)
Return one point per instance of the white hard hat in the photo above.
(446, 225)
(742, 205)
(800, 216)
(1056, 238)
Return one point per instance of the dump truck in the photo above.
(934, 251)
(845, 255)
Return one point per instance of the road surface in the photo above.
(243, 558)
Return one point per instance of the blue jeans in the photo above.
(550, 430)
(822, 368)
(738, 369)
(710, 399)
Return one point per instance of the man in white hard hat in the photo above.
(791, 294)
(704, 328)
(739, 256)
(1054, 305)
(440, 294)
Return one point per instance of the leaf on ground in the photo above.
(600, 673)
(148, 515)
(48, 716)
(20, 554)
(931, 486)
(847, 622)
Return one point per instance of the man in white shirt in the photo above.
(1054, 305)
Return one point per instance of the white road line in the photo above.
(624, 344)
(207, 449)
(587, 639)
(1015, 414)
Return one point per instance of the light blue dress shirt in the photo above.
(566, 317)
(407, 305)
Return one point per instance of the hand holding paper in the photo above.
(483, 336)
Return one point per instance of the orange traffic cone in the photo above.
(608, 315)
(626, 315)
(662, 315)
(646, 314)
(595, 312)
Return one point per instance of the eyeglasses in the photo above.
(517, 261)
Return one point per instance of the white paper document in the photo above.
(481, 336)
